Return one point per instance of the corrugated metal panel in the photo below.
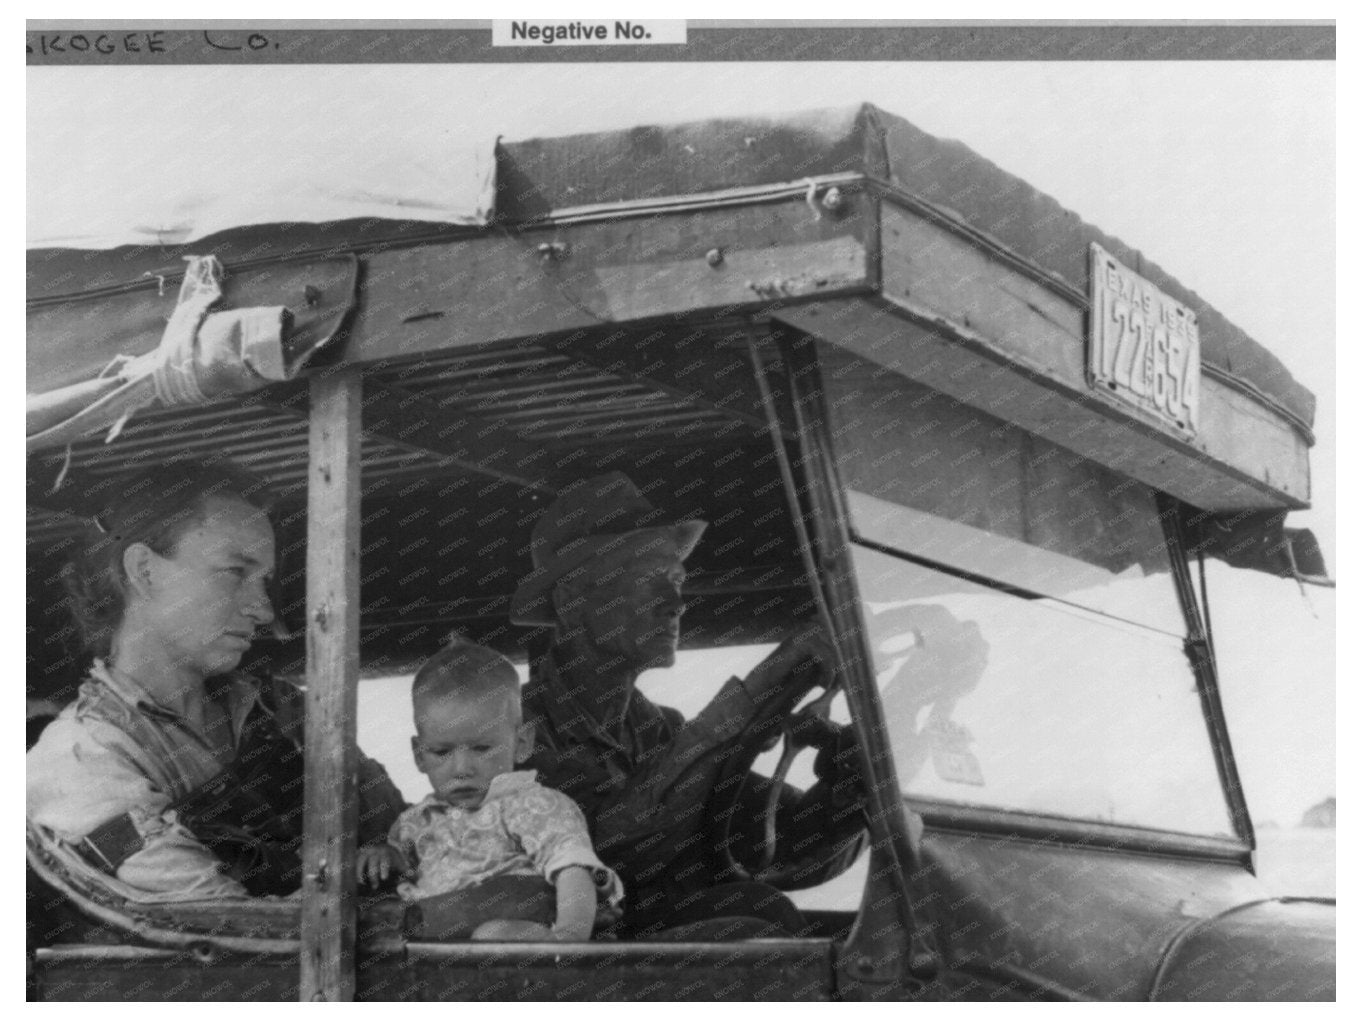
(545, 397)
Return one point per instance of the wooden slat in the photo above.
(479, 365)
(450, 430)
(193, 443)
(532, 398)
(688, 365)
(635, 429)
(409, 421)
(328, 922)
(499, 287)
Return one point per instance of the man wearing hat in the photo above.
(607, 576)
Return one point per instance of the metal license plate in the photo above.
(1143, 347)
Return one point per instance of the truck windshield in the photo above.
(1023, 619)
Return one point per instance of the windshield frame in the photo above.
(1201, 653)
(808, 382)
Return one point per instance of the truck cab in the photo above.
(987, 446)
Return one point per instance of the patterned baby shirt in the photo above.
(520, 829)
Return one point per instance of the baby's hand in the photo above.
(374, 863)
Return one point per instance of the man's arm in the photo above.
(668, 806)
(662, 813)
(380, 802)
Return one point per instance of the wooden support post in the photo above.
(330, 813)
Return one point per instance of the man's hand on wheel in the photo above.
(805, 657)
(838, 765)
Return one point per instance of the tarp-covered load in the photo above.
(466, 247)
(444, 181)
(712, 155)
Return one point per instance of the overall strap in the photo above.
(258, 797)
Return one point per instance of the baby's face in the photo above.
(461, 743)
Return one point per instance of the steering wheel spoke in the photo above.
(809, 727)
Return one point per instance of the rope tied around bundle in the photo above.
(202, 356)
(171, 364)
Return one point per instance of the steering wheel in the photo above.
(810, 727)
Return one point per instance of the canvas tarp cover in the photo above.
(437, 178)
(179, 179)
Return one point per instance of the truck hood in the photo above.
(1267, 950)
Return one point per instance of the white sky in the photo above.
(1223, 173)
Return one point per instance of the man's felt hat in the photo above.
(600, 517)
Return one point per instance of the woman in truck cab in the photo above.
(171, 771)
(607, 576)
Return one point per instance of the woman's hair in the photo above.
(156, 507)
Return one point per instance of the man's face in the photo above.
(632, 611)
(461, 743)
(207, 599)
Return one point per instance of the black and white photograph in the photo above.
(570, 509)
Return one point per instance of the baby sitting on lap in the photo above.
(485, 822)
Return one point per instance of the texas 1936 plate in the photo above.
(1143, 347)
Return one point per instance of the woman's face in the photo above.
(204, 602)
